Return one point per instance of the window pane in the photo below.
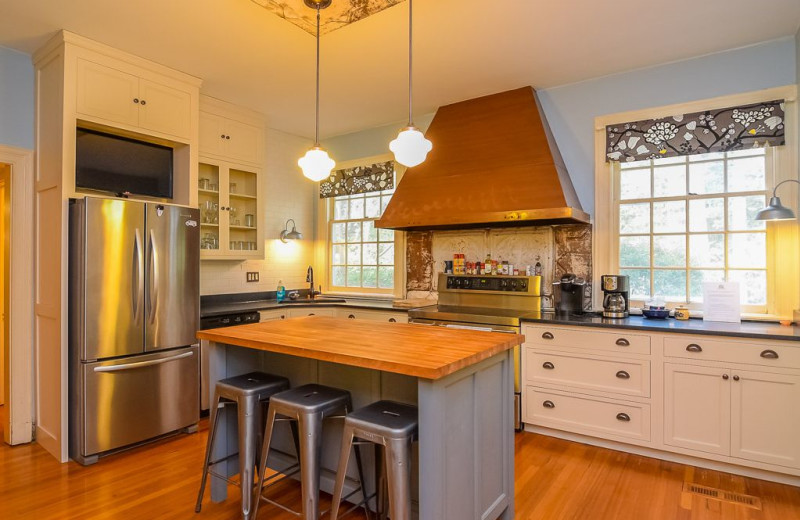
(747, 174)
(669, 217)
(639, 282)
(373, 207)
(747, 250)
(706, 156)
(337, 233)
(386, 235)
(384, 203)
(370, 233)
(634, 164)
(338, 276)
(357, 208)
(707, 215)
(369, 277)
(707, 177)
(707, 250)
(386, 254)
(697, 278)
(669, 160)
(354, 254)
(742, 213)
(386, 277)
(670, 284)
(747, 152)
(634, 184)
(669, 251)
(354, 277)
(634, 251)
(669, 181)
(354, 231)
(752, 286)
(340, 209)
(338, 254)
(634, 218)
(370, 254)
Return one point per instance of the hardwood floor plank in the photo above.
(555, 480)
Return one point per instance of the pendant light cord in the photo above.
(410, 60)
(316, 129)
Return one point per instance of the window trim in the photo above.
(322, 245)
(786, 295)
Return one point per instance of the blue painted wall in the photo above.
(571, 109)
(16, 99)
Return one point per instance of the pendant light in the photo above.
(410, 147)
(316, 164)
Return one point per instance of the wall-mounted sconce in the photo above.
(290, 235)
(775, 210)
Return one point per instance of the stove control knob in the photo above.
(523, 285)
(513, 285)
(458, 282)
(466, 283)
(503, 284)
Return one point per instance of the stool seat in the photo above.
(311, 399)
(386, 418)
(254, 383)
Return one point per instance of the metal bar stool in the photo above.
(307, 406)
(391, 427)
(248, 392)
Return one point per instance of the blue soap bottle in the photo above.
(281, 293)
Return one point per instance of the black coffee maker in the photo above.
(569, 293)
(616, 295)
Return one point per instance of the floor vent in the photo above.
(722, 495)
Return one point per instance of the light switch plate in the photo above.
(252, 276)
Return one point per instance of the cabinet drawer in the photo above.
(589, 415)
(600, 374)
(701, 348)
(594, 339)
(279, 314)
(368, 314)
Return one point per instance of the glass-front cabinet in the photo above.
(231, 211)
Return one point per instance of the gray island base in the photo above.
(464, 461)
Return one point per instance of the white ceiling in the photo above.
(463, 49)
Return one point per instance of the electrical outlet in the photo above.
(252, 276)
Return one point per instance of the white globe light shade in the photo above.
(316, 164)
(410, 147)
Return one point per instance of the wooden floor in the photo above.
(555, 479)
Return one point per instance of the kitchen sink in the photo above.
(306, 301)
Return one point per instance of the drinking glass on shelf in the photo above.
(240, 245)
(233, 187)
(206, 211)
(213, 187)
(249, 220)
(204, 182)
(233, 244)
(215, 214)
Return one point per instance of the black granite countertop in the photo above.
(220, 304)
(745, 329)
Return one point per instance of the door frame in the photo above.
(19, 314)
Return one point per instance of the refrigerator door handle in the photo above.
(154, 277)
(142, 364)
(138, 279)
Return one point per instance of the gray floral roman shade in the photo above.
(361, 179)
(720, 130)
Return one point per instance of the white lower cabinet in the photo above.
(311, 311)
(277, 314)
(369, 314)
(697, 408)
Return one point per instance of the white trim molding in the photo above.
(19, 314)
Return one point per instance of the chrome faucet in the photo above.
(310, 280)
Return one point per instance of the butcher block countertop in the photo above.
(413, 350)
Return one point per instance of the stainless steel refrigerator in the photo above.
(134, 311)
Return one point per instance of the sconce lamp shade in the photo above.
(775, 210)
(290, 235)
(316, 164)
(410, 148)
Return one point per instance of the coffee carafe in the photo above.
(615, 295)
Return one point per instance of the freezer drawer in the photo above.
(133, 399)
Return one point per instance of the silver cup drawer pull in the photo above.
(769, 354)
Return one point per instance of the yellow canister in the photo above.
(681, 313)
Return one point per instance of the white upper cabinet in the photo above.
(116, 96)
(229, 138)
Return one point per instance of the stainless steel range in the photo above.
(491, 303)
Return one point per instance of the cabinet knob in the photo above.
(547, 335)
(623, 375)
(735, 378)
(623, 417)
(222, 136)
(769, 354)
(392, 320)
(694, 347)
(548, 404)
(283, 316)
(725, 376)
(143, 102)
(622, 342)
(352, 316)
(227, 137)
(136, 100)
(548, 365)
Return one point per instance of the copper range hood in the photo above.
(494, 163)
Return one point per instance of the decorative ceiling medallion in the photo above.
(338, 15)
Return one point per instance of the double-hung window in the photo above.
(682, 221)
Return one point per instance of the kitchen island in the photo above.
(461, 380)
